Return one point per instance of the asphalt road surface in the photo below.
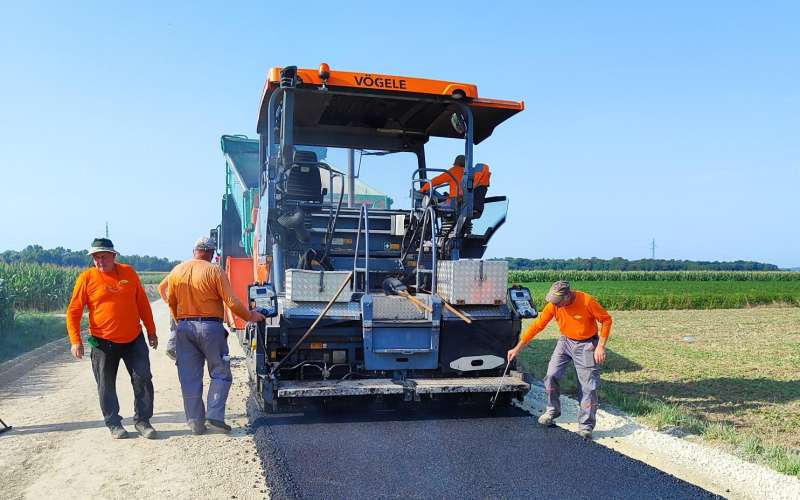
(444, 452)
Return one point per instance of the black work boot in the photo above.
(198, 427)
(145, 429)
(218, 425)
(118, 432)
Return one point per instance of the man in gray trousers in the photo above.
(198, 292)
(577, 314)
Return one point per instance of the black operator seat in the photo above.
(303, 182)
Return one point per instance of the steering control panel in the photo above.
(263, 299)
(521, 302)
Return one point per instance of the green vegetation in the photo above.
(620, 264)
(35, 254)
(729, 376)
(34, 287)
(151, 277)
(31, 330)
(644, 295)
(550, 276)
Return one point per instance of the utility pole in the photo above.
(106, 229)
(653, 249)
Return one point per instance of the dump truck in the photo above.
(364, 300)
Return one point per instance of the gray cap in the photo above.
(559, 292)
(206, 244)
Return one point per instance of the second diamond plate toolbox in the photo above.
(315, 286)
(472, 281)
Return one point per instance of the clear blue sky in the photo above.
(679, 121)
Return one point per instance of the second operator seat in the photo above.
(303, 182)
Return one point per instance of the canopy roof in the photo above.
(360, 105)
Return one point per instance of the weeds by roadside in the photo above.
(729, 377)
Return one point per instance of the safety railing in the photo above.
(363, 215)
(430, 215)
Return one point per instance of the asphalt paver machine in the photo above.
(363, 300)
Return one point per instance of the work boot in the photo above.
(548, 419)
(197, 427)
(145, 429)
(171, 354)
(218, 425)
(585, 434)
(118, 432)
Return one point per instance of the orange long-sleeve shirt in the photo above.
(117, 305)
(480, 178)
(198, 288)
(577, 321)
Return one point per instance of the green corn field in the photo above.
(36, 287)
(550, 276)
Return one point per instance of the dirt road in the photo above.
(59, 446)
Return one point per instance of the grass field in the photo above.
(30, 331)
(732, 376)
(151, 277)
(650, 295)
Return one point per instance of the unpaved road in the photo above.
(60, 448)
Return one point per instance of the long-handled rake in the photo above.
(493, 401)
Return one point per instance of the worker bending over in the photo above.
(454, 178)
(196, 292)
(577, 314)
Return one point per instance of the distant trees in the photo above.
(620, 264)
(59, 256)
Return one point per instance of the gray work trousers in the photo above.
(581, 353)
(198, 343)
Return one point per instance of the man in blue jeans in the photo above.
(197, 291)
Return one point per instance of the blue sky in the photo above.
(679, 122)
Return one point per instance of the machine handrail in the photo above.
(363, 214)
(430, 215)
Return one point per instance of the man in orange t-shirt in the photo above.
(117, 307)
(454, 177)
(197, 293)
(577, 314)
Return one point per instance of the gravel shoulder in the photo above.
(60, 444)
(710, 468)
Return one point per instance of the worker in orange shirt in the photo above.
(117, 306)
(197, 290)
(454, 177)
(577, 314)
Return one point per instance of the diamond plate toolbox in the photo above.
(472, 281)
(315, 286)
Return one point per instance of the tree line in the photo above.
(59, 256)
(620, 264)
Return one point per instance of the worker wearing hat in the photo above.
(117, 306)
(197, 291)
(577, 314)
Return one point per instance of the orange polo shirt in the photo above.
(198, 288)
(479, 178)
(117, 305)
(577, 321)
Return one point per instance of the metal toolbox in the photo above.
(472, 281)
(315, 286)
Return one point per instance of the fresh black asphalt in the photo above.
(424, 452)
